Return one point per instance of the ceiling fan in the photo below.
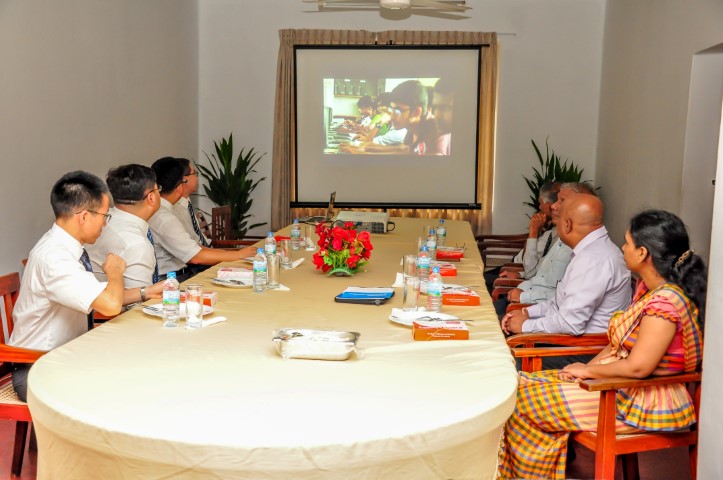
(408, 6)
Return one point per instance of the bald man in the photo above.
(596, 282)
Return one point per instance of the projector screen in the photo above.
(387, 126)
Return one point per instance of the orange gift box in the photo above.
(460, 296)
(450, 254)
(209, 298)
(450, 330)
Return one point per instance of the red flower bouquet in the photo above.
(341, 249)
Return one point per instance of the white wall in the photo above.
(649, 48)
(87, 84)
(549, 80)
(710, 463)
(701, 146)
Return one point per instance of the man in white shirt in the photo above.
(136, 198)
(184, 208)
(175, 248)
(596, 282)
(58, 291)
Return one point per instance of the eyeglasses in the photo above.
(159, 188)
(106, 216)
(192, 173)
(399, 111)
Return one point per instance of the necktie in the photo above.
(196, 228)
(548, 244)
(85, 260)
(155, 266)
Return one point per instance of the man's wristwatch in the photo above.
(143, 294)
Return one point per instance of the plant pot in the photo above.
(340, 272)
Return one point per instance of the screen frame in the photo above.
(295, 203)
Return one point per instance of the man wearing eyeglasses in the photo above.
(58, 290)
(184, 208)
(176, 250)
(136, 198)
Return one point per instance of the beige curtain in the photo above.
(283, 174)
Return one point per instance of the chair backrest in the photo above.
(203, 224)
(9, 288)
(221, 223)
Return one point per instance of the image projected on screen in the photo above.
(388, 116)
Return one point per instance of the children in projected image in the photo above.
(366, 107)
(442, 105)
(412, 114)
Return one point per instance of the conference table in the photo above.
(131, 399)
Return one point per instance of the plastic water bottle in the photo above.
(434, 291)
(260, 271)
(171, 300)
(441, 233)
(295, 234)
(432, 244)
(423, 261)
(270, 244)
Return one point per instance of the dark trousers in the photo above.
(501, 306)
(20, 380)
(490, 277)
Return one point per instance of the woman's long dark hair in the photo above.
(664, 235)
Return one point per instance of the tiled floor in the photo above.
(660, 465)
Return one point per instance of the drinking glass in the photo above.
(273, 270)
(194, 305)
(411, 293)
(285, 252)
(308, 238)
(410, 265)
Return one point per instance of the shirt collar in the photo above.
(127, 217)
(67, 240)
(590, 238)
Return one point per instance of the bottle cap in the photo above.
(424, 248)
(271, 234)
(296, 220)
(435, 270)
(171, 275)
(259, 250)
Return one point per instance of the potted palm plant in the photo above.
(552, 169)
(230, 182)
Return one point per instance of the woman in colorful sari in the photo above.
(659, 334)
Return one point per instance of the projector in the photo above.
(372, 222)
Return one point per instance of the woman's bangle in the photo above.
(143, 294)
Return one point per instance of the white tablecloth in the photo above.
(134, 400)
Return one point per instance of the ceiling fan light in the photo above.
(395, 4)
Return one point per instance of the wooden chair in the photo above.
(500, 248)
(503, 285)
(11, 408)
(203, 223)
(527, 347)
(222, 231)
(605, 442)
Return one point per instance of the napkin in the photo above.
(235, 273)
(211, 321)
(399, 281)
(295, 264)
(282, 288)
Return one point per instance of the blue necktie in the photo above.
(85, 260)
(196, 228)
(155, 277)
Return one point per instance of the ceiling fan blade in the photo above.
(441, 5)
(331, 3)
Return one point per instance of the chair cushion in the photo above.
(7, 392)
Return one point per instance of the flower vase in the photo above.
(341, 272)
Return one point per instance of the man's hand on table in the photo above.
(512, 322)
